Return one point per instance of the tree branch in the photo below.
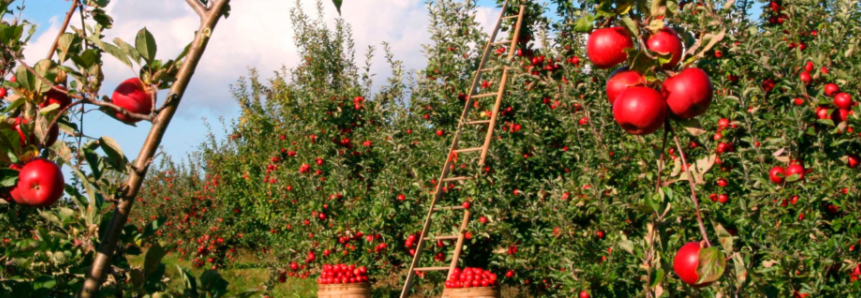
(693, 189)
(102, 262)
(198, 7)
(69, 14)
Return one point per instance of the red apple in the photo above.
(666, 41)
(853, 160)
(723, 123)
(2, 92)
(840, 115)
(777, 174)
(843, 100)
(40, 184)
(685, 264)
(795, 169)
(808, 67)
(805, 78)
(831, 89)
(606, 47)
(53, 134)
(54, 96)
(689, 93)
(133, 96)
(822, 113)
(620, 80)
(640, 110)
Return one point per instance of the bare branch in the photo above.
(693, 188)
(69, 14)
(198, 7)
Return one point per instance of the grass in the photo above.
(240, 280)
(244, 278)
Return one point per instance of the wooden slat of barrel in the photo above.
(357, 290)
(482, 292)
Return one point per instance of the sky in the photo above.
(258, 34)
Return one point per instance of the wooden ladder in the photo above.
(454, 150)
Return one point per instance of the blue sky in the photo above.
(258, 34)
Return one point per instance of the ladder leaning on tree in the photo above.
(454, 150)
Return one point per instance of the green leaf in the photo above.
(658, 277)
(740, 270)
(128, 49)
(8, 177)
(99, 3)
(693, 126)
(712, 265)
(48, 70)
(338, 5)
(725, 238)
(118, 52)
(87, 59)
(50, 108)
(153, 258)
(102, 18)
(15, 104)
(189, 282)
(628, 23)
(25, 79)
(65, 44)
(115, 154)
(585, 24)
(627, 245)
(212, 282)
(145, 45)
(656, 5)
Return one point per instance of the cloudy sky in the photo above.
(257, 34)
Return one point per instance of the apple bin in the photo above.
(346, 290)
(343, 281)
(471, 282)
(480, 292)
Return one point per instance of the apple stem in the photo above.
(693, 188)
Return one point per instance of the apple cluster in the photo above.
(470, 278)
(40, 181)
(343, 274)
(639, 108)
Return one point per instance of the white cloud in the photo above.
(257, 34)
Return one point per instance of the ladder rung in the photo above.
(485, 95)
(486, 69)
(438, 209)
(510, 17)
(478, 122)
(501, 43)
(468, 150)
(449, 237)
(457, 179)
(431, 269)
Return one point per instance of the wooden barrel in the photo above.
(356, 290)
(481, 292)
